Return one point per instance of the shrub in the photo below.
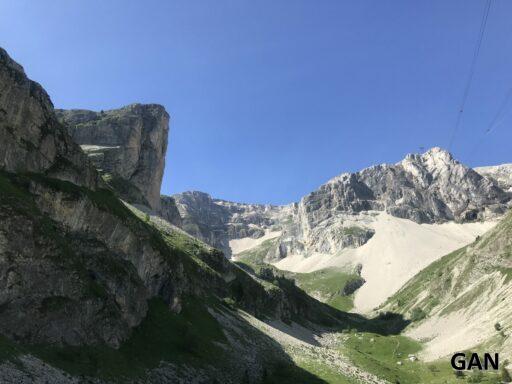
(458, 374)
(418, 314)
(476, 377)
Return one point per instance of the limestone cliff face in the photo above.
(501, 175)
(31, 138)
(216, 221)
(76, 267)
(128, 145)
(426, 188)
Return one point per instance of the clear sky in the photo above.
(271, 98)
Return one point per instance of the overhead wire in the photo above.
(496, 121)
(471, 75)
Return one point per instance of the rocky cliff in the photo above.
(216, 222)
(90, 284)
(31, 138)
(128, 145)
(501, 175)
(426, 188)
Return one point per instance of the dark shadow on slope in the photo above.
(310, 312)
(321, 313)
(192, 341)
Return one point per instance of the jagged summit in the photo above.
(426, 188)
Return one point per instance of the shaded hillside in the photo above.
(93, 289)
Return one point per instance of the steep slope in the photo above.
(463, 300)
(216, 221)
(399, 249)
(95, 289)
(127, 145)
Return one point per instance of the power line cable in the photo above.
(469, 81)
(496, 121)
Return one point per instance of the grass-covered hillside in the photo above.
(333, 286)
(463, 300)
(198, 333)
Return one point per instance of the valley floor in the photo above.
(363, 357)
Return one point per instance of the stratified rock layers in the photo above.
(127, 144)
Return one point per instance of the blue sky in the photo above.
(271, 98)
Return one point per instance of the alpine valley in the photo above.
(377, 276)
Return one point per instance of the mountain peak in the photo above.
(436, 156)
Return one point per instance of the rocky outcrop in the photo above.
(216, 222)
(501, 175)
(31, 138)
(169, 211)
(352, 285)
(128, 145)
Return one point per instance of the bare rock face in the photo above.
(216, 221)
(426, 188)
(501, 175)
(31, 138)
(58, 283)
(127, 145)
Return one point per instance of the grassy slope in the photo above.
(381, 355)
(192, 338)
(325, 285)
(195, 338)
(437, 286)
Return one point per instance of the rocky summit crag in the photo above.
(127, 145)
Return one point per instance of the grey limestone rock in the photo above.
(127, 144)
(426, 188)
(501, 175)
